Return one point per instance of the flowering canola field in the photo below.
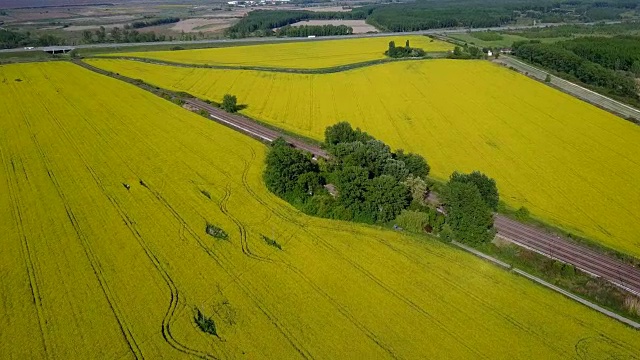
(568, 162)
(93, 270)
(305, 54)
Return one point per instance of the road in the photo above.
(284, 39)
(530, 237)
(578, 91)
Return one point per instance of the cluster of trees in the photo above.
(15, 39)
(403, 52)
(154, 22)
(117, 35)
(615, 53)
(364, 181)
(313, 30)
(568, 63)
(262, 22)
(367, 176)
(467, 52)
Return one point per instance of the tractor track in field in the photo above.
(340, 308)
(27, 255)
(295, 343)
(125, 328)
(175, 295)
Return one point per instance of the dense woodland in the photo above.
(615, 53)
(313, 30)
(566, 31)
(606, 64)
(434, 14)
(364, 181)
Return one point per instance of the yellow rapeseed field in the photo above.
(568, 162)
(92, 270)
(306, 54)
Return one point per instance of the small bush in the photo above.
(216, 232)
(177, 48)
(206, 193)
(414, 221)
(271, 242)
(230, 103)
(568, 270)
(522, 213)
(205, 324)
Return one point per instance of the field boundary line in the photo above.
(548, 285)
(288, 70)
(482, 255)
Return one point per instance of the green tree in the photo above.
(101, 34)
(485, 185)
(395, 168)
(416, 164)
(419, 189)
(352, 184)
(342, 132)
(547, 79)
(230, 103)
(285, 168)
(116, 34)
(386, 197)
(457, 51)
(87, 37)
(468, 215)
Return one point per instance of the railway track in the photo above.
(562, 249)
(249, 127)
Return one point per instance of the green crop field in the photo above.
(106, 193)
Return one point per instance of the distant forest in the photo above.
(607, 64)
(434, 14)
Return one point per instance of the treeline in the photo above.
(364, 181)
(615, 53)
(313, 30)
(117, 35)
(14, 39)
(262, 22)
(154, 22)
(568, 63)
